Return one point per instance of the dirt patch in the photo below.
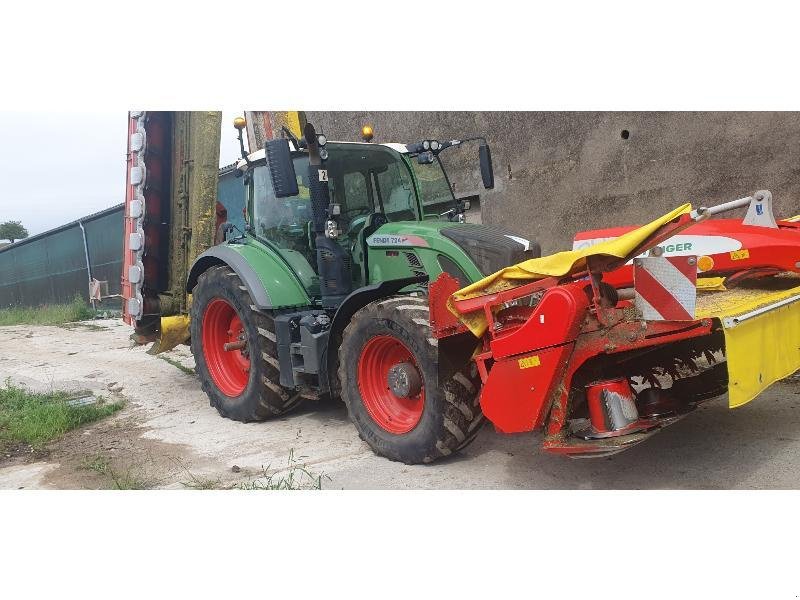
(131, 461)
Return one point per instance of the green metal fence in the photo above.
(50, 268)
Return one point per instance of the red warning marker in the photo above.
(666, 287)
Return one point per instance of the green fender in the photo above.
(267, 276)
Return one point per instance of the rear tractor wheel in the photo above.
(235, 350)
(389, 373)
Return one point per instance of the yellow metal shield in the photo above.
(762, 337)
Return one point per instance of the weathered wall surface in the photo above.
(557, 173)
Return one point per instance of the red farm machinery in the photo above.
(604, 345)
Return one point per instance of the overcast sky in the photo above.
(58, 167)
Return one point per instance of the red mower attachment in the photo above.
(589, 361)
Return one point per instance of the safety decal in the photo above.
(740, 254)
(529, 361)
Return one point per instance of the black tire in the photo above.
(451, 416)
(263, 397)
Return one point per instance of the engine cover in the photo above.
(491, 247)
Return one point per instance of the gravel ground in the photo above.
(168, 436)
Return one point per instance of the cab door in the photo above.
(354, 195)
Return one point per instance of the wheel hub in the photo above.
(391, 385)
(225, 348)
(404, 380)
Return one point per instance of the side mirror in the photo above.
(487, 171)
(281, 168)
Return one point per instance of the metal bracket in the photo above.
(730, 322)
(760, 211)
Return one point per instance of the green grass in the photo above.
(49, 314)
(129, 479)
(175, 363)
(98, 463)
(81, 325)
(36, 419)
(294, 477)
(201, 483)
(196, 482)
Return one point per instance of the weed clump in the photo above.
(36, 418)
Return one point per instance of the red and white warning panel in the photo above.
(666, 287)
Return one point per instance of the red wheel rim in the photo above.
(230, 369)
(394, 414)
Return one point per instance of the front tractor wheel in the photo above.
(391, 383)
(235, 350)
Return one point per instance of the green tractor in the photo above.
(324, 292)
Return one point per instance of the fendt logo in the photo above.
(384, 239)
(388, 240)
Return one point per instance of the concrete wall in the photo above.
(561, 172)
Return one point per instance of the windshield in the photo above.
(362, 179)
(433, 184)
(367, 178)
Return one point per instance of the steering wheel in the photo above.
(361, 210)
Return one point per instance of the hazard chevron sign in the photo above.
(666, 287)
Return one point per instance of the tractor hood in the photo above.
(489, 247)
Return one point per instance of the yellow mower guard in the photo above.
(762, 337)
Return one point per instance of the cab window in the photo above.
(351, 192)
(282, 221)
(396, 190)
(371, 178)
(434, 187)
(363, 179)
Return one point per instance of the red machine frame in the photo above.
(530, 354)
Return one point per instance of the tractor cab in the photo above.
(363, 190)
(369, 185)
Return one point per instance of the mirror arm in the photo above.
(288, 134)
(453, 143)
